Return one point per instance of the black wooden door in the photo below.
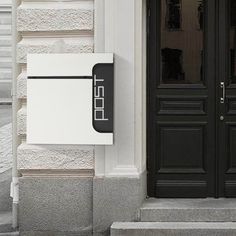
(184, 131)
(226, 114)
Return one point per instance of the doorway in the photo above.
(191, 118)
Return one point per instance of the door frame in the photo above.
(128, 43)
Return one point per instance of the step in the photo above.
(5, 101)
(5, 51)
(5, 40)
(173, 229)
(5, 20)
(184, 210)
(5, 62)
(10, 234)
(5, 29)
(5, 222)
(5, 73)
(5, 81)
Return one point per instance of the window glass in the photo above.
(232, 41)
(182, 52)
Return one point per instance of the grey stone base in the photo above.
(53, 233)
(116, 199)
(68, 206)
(55, 206)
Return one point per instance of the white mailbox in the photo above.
(70, 99)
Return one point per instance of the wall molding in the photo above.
(120, 27)
(57, 173)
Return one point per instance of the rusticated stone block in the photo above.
(54, 17)
(21, 121)
(22, 86)
(77, 45)
(46, 157)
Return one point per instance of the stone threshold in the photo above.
(189, 210)
(173, 229)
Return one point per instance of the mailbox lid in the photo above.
(53, 65)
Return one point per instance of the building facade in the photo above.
(72, 189)
(174, 118)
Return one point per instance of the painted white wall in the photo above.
(120, 25)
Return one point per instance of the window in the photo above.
(182, 43)
(232, 41)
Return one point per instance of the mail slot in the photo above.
(70, 99)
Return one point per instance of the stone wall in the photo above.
(41, 26)
(56, 182)
(59, 194)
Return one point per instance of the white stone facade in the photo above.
(33, 157)
(41, 26)
(55, 17)
(85, 26)
(97, 185)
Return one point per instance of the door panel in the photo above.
(226, 118)
(181, 98)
